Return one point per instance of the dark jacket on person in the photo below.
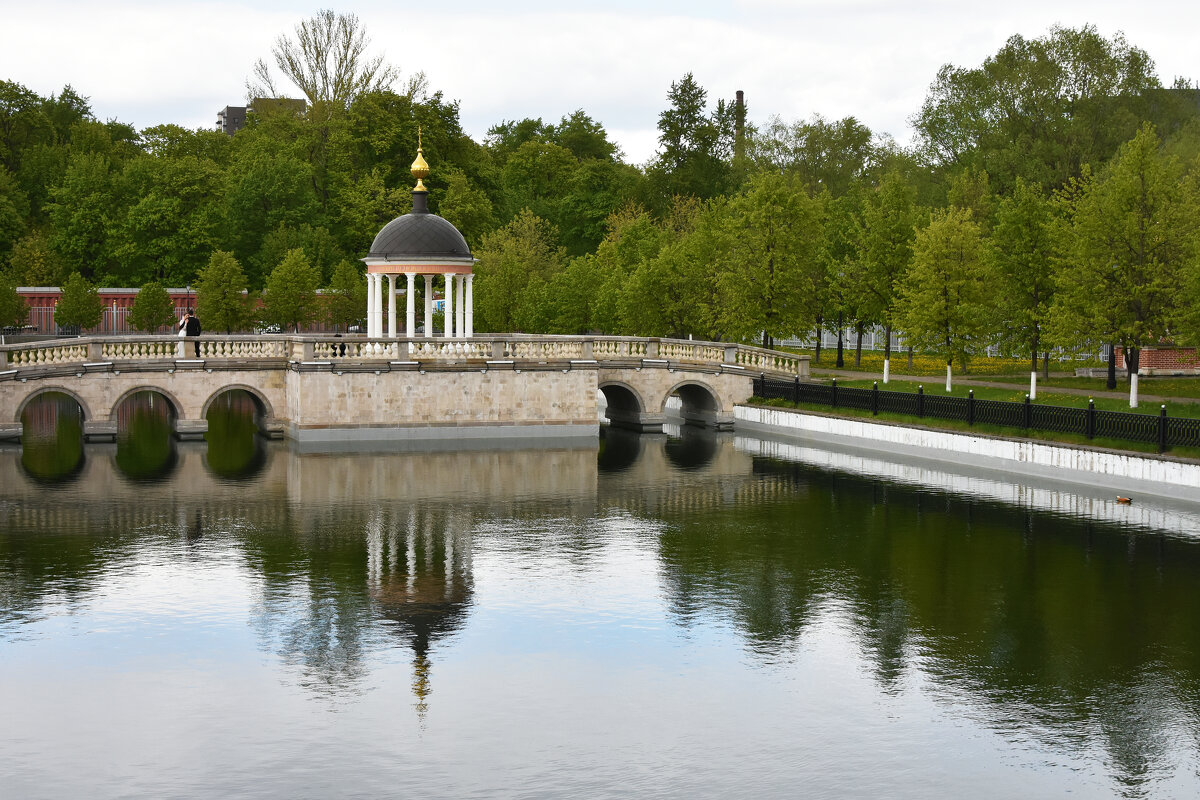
(192, 327)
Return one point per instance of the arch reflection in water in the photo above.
(619, 449)
(52, 438)
(235, 449)
(146, 448)
(689, 447)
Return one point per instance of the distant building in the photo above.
(232, 119)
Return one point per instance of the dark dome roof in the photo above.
(421, 236)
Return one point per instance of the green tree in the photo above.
(884, 250)
(176, 220)
(695, 147)
(1022, 253)
(1042, 108)
(1130, 242)
(346, 296)
(221, 300)
(466, 207)
(34, 263)
(152, 308)
(945, 299)
(509, 258)
(823, 154)
(290, 297)
(85, 211)
(79, 305)
(769, 274)
(13, 309)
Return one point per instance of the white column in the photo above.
(377, 307)
(469, 330)
(429, 305)
(448, 317)
(460, 317)
(391, 306)
(370, 304)
(410, 306)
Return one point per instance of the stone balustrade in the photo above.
(320, 348)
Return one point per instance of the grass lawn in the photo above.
(872, 361)
(1164, 387)
(993, 430)
(1018, 392)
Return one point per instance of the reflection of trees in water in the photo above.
(52, 438)
(1079, 629)
(146, 437)
(235, 450)
(330, 580)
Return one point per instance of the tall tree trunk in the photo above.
(841, 362)
(858, 332)
(817, 357)
(1046, 365)
(1111, 383)
(910, 366)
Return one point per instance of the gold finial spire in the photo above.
(420, 169)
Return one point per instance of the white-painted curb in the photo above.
(1064, 462)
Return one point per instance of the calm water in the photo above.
(674, 616)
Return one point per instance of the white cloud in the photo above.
(146, 63)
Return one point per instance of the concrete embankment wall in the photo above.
(1125, 473)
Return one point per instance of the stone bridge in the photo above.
(333, 389)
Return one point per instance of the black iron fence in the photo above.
(1164, 431)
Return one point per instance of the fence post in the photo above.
(761, 380)
(796, 390)
(920, 400)
(1090, 426)
(875, 399)
(1162, 429)
(1028, 412)
(833, 393)
(970, 406)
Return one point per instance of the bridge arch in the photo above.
(41, 390)
(699, 403)
(625, 406)
(172, 400)
(260, 400)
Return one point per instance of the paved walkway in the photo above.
(968, 380)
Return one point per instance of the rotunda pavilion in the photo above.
(420, 243)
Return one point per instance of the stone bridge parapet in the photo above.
(334, 388)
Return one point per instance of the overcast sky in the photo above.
(153, 62)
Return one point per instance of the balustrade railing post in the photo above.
(3, 359)
(1028, 413)
(970, 406)
(1090, 426)
(1162, 429)
(652, 348)
(833, 394)
(95, 350)
(920, 401)
(306, 351)
(875, 399)
(587, 352)
(498, 350)
(731, 354)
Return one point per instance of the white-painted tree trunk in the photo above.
(1133, 390)
(947, 378)
(1033, 385)
(887, 362)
